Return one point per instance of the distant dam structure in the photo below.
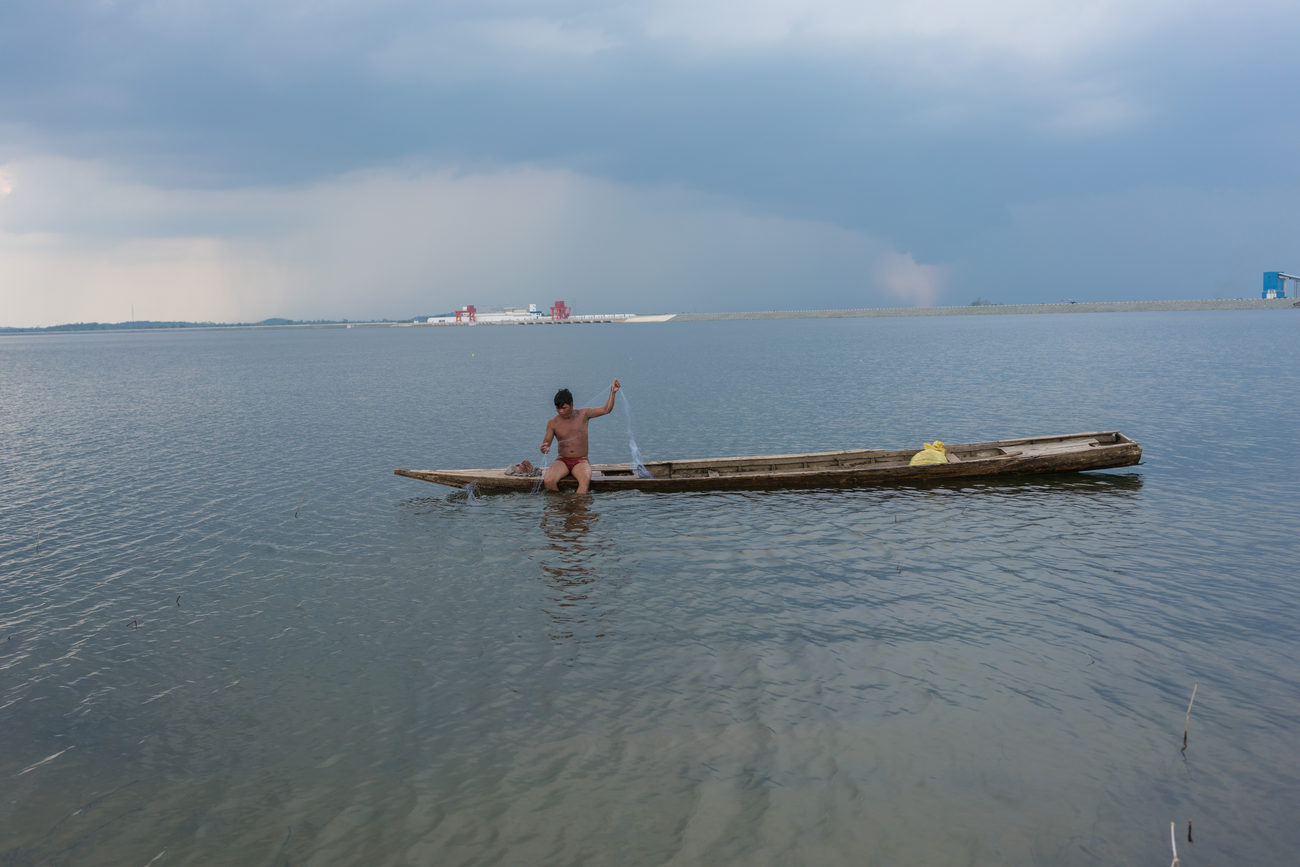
(558, 314)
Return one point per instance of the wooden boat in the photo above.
(1050, 454)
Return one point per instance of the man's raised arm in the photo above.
(595, 412)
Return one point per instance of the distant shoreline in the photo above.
(1003, 309)
(847, 313)
(101, 327)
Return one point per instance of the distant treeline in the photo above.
(138, 326)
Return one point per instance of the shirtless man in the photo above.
(569, 427)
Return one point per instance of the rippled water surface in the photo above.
(228, 634)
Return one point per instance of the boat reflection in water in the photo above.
(1075, 484)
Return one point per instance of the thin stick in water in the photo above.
(1174, 843)
(1187, 723)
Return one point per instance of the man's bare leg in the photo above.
(555, 472)
(582, 472)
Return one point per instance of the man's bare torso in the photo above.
(571, 433)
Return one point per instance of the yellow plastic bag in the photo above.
(933, 453)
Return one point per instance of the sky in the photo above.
(234, 160)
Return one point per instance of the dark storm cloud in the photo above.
(940, 144)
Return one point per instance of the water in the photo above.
(228, 634)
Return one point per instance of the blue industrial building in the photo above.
(1275, 285)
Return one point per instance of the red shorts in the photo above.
(572, 462)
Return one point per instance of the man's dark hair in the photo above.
(562, 397)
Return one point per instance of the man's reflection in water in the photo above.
(568, 565)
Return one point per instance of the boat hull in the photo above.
(1030, 455)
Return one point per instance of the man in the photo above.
(569, 428)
